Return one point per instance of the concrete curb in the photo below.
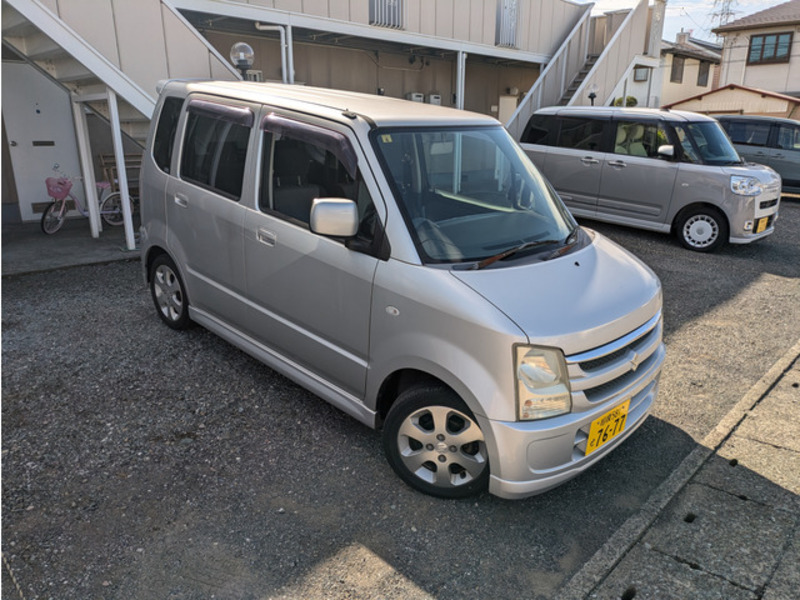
(620, 543)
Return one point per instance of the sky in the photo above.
(695, 15)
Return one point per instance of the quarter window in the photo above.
(541, 129)
(165, 132)
(771, 48)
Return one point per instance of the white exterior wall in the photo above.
(779, 77)
(542, 24)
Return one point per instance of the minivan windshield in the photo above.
(705, 142)
(471, 194)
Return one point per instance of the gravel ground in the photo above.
(139, 462)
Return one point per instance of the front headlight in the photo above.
(542, 383)
(745, 186)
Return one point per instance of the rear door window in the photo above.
(581, 133)
(639, 138)
(747, 133)
(215, 147)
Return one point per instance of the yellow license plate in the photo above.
(606, 428)
(761, 224)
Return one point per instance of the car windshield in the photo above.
(706, 143)
(471, 194)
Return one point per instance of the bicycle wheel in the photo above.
(111, 209)
(53, 217)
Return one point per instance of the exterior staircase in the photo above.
(576, 83)
(91, 48)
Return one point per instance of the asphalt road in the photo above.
(139, 462)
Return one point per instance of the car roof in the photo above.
(756, 118)
(621, 112)
(382, 111)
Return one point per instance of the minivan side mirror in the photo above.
(666, 151)
(336, 217)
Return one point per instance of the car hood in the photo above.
(576, 302)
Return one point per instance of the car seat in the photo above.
(635, 145)
(622, 135)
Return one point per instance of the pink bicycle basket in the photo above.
(58, 187)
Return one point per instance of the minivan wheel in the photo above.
(169, 295)
(703, 229)
(434, 444)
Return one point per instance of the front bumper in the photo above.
(532, 457)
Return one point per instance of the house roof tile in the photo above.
(784, 14)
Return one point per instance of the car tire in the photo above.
(433, 442)
(702, 229)
(169, 293)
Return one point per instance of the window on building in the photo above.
(215, 147)
(676, 75)
(386, 13)
(702, 73)
(641, 74)
(770, 48)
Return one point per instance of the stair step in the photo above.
(15, 24)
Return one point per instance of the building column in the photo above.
(122, 173)
(87, 168)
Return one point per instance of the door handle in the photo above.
(588, 160)
(181, 200)
(618, 163)
(266, 237)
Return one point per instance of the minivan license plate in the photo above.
(761, 224)
(607, 427)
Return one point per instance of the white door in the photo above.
(38, 117)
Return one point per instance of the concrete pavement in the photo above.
(726, 523)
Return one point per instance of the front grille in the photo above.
(610, 370)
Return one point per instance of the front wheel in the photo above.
(703, 229)
(434, 444)
(111, 209)
(169, 295)
(53, 218)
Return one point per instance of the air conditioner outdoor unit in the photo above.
(434, 99)
(415, 97)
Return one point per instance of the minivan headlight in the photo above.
(745, 186)
(542, 383)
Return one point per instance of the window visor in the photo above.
(233, 114)
(332, 141)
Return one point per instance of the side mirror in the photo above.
(666, 151)
(336, 217)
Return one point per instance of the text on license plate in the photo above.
(606, 427)
(761, 224)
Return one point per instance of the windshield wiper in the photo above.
(506, 253)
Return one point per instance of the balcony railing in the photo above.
(387, 13)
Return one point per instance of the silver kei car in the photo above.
(408, 264)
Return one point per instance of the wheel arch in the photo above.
(399, 381)
(695, 205)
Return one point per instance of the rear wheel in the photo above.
(111, 209)
(53, 218)
(703, 229)
(169, 295)
(434, 444)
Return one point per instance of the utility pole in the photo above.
(723, 13)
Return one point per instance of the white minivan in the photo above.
(408, 264)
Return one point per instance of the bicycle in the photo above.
(59, 190)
